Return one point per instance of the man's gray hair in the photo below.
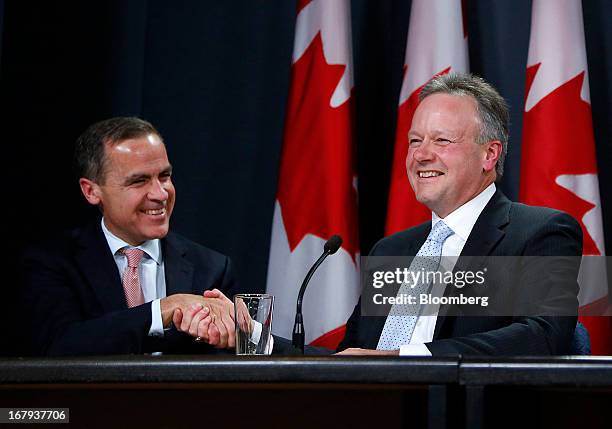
(491, 107)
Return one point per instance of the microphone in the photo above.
(331, 246)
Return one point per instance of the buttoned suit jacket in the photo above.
(504, 228)
(75, 304)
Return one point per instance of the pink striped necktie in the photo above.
(131, 280)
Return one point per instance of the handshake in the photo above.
(208, 318)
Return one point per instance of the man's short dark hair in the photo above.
(89, 153)
(491, 107)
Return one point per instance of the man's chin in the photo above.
(156, 233)
(428, 199)
(424, 198)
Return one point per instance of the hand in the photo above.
(196, 319)
(245, 322)
(367, 352)
(209, 317)
(222, 323)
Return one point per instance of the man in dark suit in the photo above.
(124, 283)
(457, 144)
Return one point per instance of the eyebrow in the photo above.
(138, 176)
(436, 133)
(135, 177)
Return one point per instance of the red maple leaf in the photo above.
(558, 140)
(316, 189)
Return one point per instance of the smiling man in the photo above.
(125, 283)
(446, 166)
(457, 144)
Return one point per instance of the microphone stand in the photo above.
(298, 326)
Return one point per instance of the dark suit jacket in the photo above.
(504, 228)
(75, 301)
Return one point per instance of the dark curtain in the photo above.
(1, 22)
(213, 78)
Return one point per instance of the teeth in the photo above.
(155, 212)
(429, 173)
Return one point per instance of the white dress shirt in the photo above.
(150, 272)
(461, 221)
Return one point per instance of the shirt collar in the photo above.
(151, 247)
(463, 219)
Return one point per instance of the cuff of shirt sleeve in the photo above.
(414, 350)
(270, 346)
(256, 335)
(157, 326)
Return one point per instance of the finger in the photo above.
(230, 326)
(247, 321)
(225, 298)
(212, 293)
(351, 351)
(242, 321)
(223, 335)
(242, 310)
(203, 327)
(213, 333)
(217, 320)
(230, 309)
(193, 327)
(188, 316)
(177, 317)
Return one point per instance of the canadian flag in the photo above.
(317, 195)
(558, 161)
(437, 44)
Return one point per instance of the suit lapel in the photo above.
(94, 258)
(417, 243)
(179, 271)
(487, 232)
(489, 228)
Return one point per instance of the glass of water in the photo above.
(253, 317)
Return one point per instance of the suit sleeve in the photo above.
(549, 334)
(57, 324)
(215, 271)
(355, 326)
(352, 329)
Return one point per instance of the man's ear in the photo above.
(493, 150)
(90, 190)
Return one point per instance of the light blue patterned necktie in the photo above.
(402, 318)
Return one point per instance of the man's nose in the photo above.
(157, 191)
(424, 152)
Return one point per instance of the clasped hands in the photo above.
(209, 318)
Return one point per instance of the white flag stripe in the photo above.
(332, 20)
(332, 292)
(435, 42)
(334, 289)
(557, 43)
(586, 186)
